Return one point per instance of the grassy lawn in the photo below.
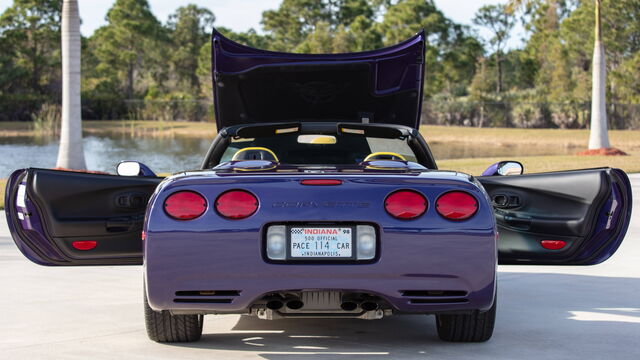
(534, 164)
(126, 127)
(151, 128)
(626, 140)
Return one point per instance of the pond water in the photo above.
(103, 153)
(180, 153)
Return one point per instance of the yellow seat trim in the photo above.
(236, 155)
(372, 155)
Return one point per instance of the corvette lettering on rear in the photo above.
(326, 204)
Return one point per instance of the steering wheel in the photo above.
(385, 156)
(255, 153)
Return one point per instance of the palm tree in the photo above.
(71, 153)
(599, 136)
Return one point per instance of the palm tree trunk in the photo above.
(71, 153)
(598, 137)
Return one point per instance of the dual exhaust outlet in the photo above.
(277, 304)
(365, 305)
(297, 304)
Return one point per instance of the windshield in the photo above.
(321, 149)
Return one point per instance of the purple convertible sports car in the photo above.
(318, 198)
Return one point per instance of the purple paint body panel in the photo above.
(212, 253)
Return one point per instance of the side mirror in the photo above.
(133, 168)
(504, 168)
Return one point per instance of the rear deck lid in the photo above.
(260, 86)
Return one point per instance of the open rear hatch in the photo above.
(259, 86)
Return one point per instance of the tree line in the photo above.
(136, 66)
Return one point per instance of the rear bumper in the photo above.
(177, 264)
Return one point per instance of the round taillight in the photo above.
(185, 205)
(405, 204)
(236, 204)
(456, 205)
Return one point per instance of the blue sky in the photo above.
(240, 15)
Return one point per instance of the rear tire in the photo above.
(164, 327)
(474, 327)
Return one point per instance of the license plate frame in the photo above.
(354, 250)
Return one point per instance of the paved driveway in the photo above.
(543, 313)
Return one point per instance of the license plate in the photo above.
(321, 242)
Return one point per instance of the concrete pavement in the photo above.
(543, 312)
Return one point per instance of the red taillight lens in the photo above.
(236, 204)
(456, 205)
(405, 204)
(185, 205)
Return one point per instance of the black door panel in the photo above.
(78, 204)
(63, 208)
(555, 203)
(568, 206)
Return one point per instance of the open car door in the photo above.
(72, 218)
(560, 218)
